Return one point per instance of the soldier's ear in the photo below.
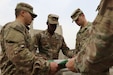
(22, 12)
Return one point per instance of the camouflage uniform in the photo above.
(49, 46)
(17, 58)
(83, 36)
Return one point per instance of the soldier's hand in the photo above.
(70, 64)
(53, 68)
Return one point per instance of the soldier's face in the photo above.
(52, 27)
(28, 18)
(79, 20)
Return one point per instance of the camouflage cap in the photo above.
(53, 19)
(76, 14)
(26, 7)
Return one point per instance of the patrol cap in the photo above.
(76, 14)
(26, 7)
(53, 19)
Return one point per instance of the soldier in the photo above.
(17, 58)
(79, 18)
(85, 26)
(50, 43)
(84, 33)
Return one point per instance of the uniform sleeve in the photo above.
(78, 42)
(35, 42)
(77, 47)
(94, 57)
(18, 53)
(66, 51)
